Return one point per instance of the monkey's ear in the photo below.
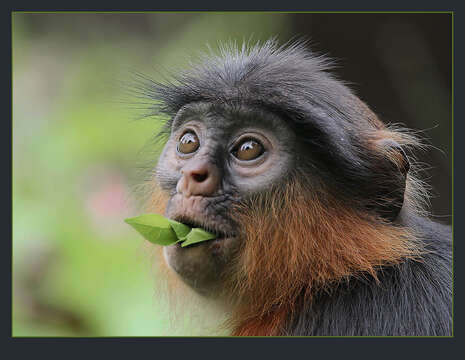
(396, 154)
(394, 177)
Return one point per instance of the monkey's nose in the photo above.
(199, 178)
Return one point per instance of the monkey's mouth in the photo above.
(218, 231)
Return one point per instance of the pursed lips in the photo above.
(190, 211)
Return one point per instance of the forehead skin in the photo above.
(218, 128)
(227, 119)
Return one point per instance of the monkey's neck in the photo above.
(271, 324)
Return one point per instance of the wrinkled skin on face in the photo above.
(227, 155)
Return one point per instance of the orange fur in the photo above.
(157, 199)
(268, 325)
(298, 240)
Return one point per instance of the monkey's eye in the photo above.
(248, 149)
(188, 143)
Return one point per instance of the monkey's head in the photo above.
(299, 180)
(217, 155)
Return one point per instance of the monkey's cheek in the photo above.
(225, 248)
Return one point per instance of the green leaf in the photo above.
(155, 220)
(180, 229)
(197, 235)
(162, 231)
(154, 228)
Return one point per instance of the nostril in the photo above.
(199, 177)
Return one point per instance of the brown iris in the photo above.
(248, 149)
(188, 143)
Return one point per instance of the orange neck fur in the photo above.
(299, 240)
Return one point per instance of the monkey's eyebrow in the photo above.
(246, 115)
(197, 110)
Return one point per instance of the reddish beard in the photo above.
(297, 241)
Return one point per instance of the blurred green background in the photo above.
(78, 270)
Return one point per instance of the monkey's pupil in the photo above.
(188, 143)
(249, 150)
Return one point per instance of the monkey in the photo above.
(318, 210)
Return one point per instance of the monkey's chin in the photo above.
(202, 266)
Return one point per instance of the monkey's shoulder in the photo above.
(413, 298)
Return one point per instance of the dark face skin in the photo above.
(215, 157)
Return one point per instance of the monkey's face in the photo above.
(215, 158)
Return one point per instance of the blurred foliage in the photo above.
(78, 270)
